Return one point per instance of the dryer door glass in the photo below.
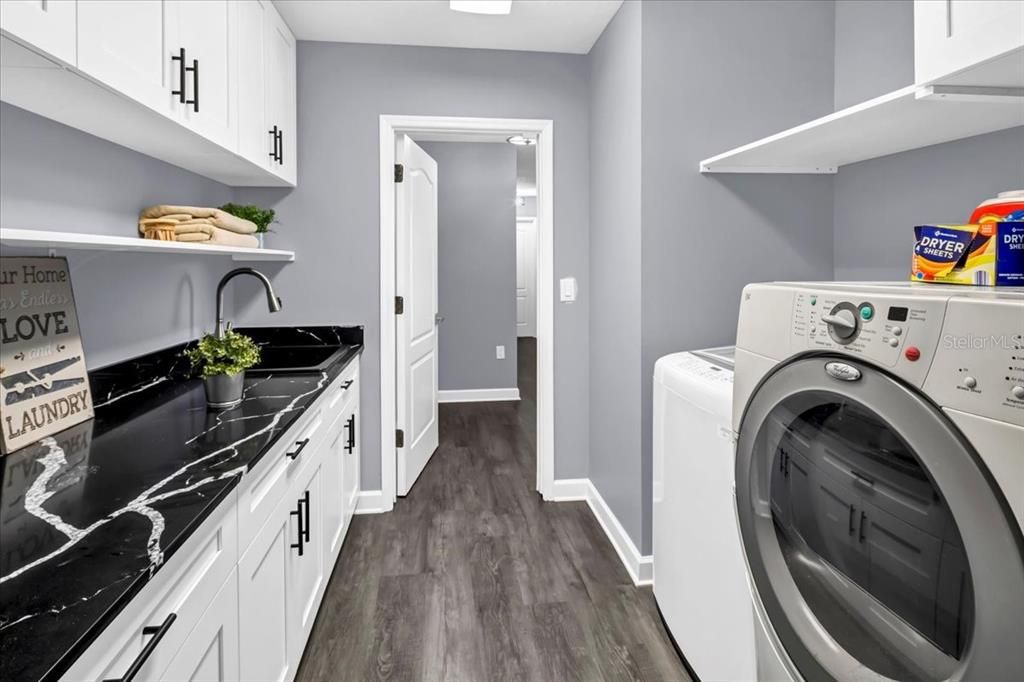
(848, 506)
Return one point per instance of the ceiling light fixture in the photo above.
(521, 141)
(481, 6)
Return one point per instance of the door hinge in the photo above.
(399, 438)
(399, 172)
(399, 305)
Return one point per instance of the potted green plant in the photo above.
(261, 217)
(222, 361)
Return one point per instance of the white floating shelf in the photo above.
(100, 242)
(899, 121)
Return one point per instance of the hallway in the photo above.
(472, 577)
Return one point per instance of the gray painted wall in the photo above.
(332, 218)
(878, 202)
(717, 75)
(874, 49)
(615, 329)
(476, 263)
(57, 178)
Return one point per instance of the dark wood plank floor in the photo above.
(473, 578)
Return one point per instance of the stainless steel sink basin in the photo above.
(296, 359)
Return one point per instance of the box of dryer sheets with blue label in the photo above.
(991, 254)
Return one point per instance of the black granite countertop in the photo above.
(88, 516)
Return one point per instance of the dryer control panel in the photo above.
(979, 363)
(898, 333)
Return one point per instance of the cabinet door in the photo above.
(265, 596)
(334, 498)
(254, 140)
(306, 570)
(951, 35)
(206, 31)
(210, 653)
(352, 472)
(48, 25)
(280, 82)
(128, 47)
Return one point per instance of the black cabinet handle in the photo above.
(305, 530)
(180, 58)
(851, 519)
(863, 518)
(350, 446)
(280, 147)
(273, 136)
(345, 385)
(293, 454)
(158, 633)
(195, 86)
(297, 512)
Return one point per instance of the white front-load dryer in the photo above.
(879, 476)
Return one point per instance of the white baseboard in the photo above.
(639, 567)
(372, 502)
(478, 395)
(569, 490)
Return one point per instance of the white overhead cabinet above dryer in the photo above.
(969, 42)
(173, 79)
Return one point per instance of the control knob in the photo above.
(842, 323)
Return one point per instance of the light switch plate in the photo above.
(567, 289)
(499, 352)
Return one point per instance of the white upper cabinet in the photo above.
(213, 77)
(47, 24)
(254, 141)
(279, 60)
(951, 36)
(121, 44)
(205, 32)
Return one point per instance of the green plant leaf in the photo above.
(262, 217)
(229, 354)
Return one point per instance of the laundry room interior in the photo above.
(511, 340)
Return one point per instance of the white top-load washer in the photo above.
(880, 479)
(700, 581)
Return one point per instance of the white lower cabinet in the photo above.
(210, 654)
(239, 599)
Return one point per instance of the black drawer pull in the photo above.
(293, 454)
(863, 518)
(348, 383)
(180, 58)
(158, 633)
(305, 530)
(851, 519)
(297, 512)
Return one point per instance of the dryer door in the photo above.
(879, 544)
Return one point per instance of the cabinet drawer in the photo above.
(264, 486)
(151, 629)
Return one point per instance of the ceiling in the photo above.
(534, 25)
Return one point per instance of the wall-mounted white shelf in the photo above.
(42, 239)
(906, 119)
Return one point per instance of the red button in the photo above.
(913, 353)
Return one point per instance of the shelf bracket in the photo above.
(51, 252)
(710, 169)
(970, 93)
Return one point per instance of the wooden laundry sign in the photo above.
(44, 387)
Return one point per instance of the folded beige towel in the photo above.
(221, 219)
(215, 235)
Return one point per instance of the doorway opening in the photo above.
(409, 323)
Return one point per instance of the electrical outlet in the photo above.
(499, 352)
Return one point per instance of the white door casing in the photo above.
(526, 277)
(416, 327)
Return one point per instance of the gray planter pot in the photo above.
(224, 390)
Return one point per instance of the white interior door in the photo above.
(416, 328)
(526, 277)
